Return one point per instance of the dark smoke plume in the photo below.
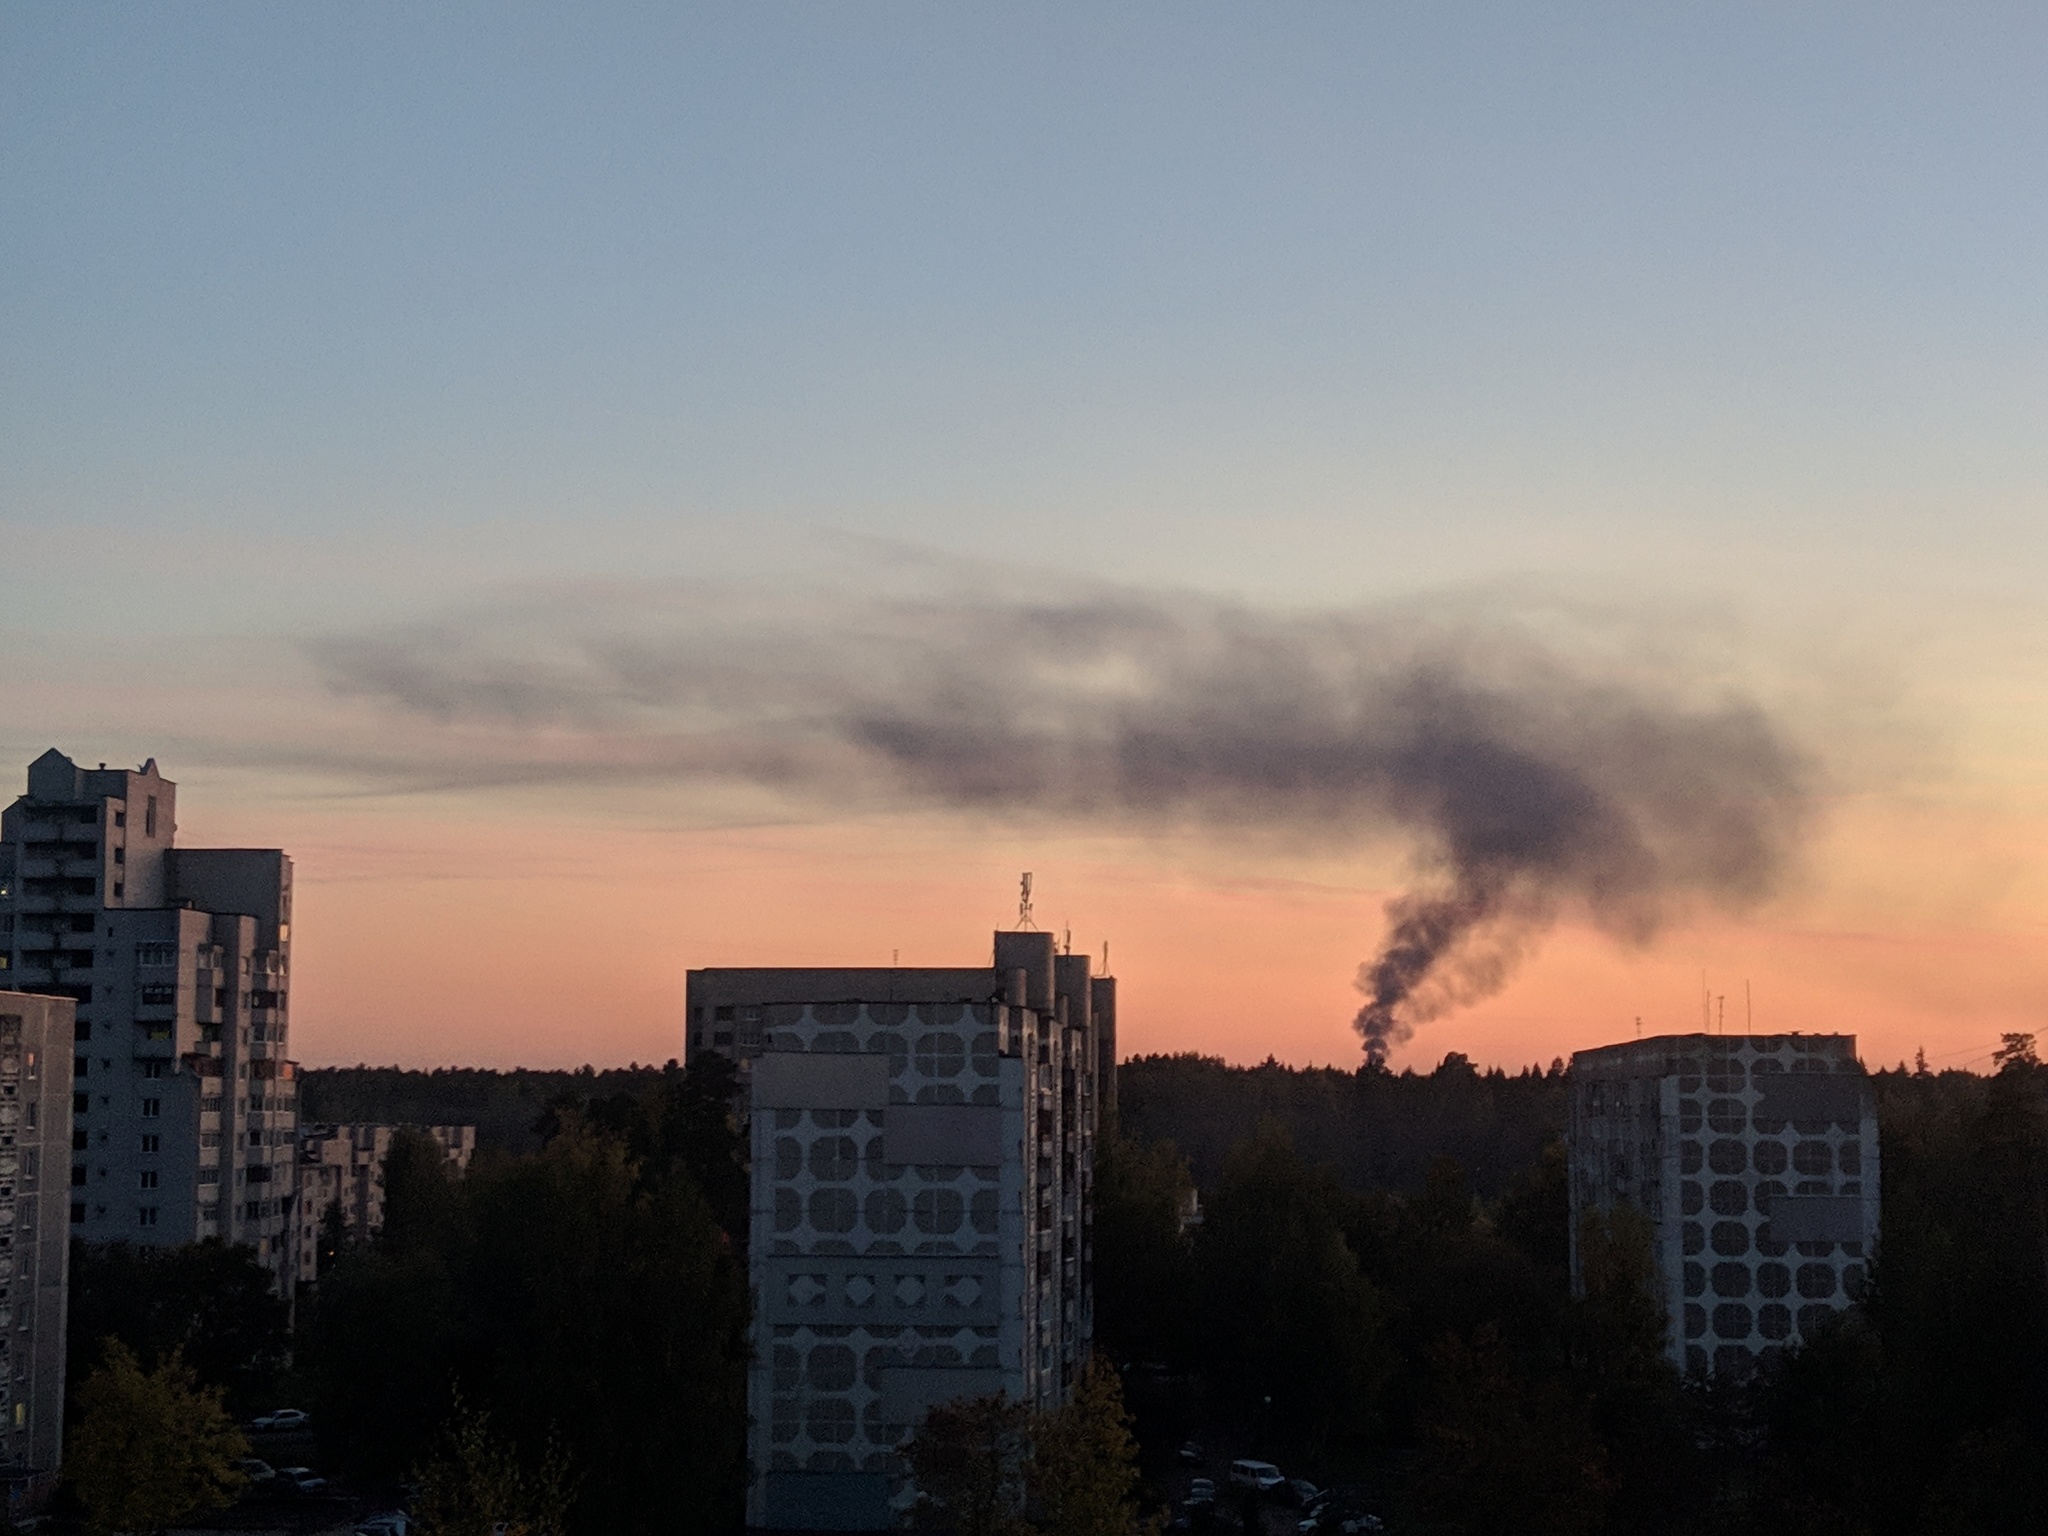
(1528, 784)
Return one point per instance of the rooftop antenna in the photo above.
(1024, 922)
(1639, 1026)
(1067, 939)
(1105, 957)
(1722, 1009)
(1748, 1010)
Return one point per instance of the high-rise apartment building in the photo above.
(35, 1133)
(184, 1095)
(922, 1150)
(341, 1168)
(1754, 1157)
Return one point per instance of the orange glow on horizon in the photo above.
(433, 933)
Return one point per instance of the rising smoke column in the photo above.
(1527, 785)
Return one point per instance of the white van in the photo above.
(1261, 1476)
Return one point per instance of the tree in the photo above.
(1505, 1454)
(1293, 1319)
(211, 1304)
(968, 1460)
(1084, 1460)
(1141, 1252)
(150, 1447)
(422, 1199)
(475, 1485)
(577, 1296)
(2016, 1053)
(335, 1239)
(1627, 1388)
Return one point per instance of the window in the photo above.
(78, 1141)
(85, 1029)
(145, 1216)
(152, 1143)
(209, 1175)
(77, 1215)
(120, 818)
(120, 855)
(158, 994)
(80, 1065)
(80, 1103)
(149, 818)
(152, 1069)
(77, 1175)
(151, 1108)
(31, 1159)
(148, 1178)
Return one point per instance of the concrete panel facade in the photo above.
(184, 1094)
(35, 1234)
(922, 1167)
(1755, 1158)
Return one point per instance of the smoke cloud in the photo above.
(1531, 778)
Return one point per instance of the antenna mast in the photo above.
(1024, 922)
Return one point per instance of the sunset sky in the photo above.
(510, 456)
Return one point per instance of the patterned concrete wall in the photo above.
(1756, 1160)
(884, 1286)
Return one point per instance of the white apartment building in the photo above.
(922, 1147)
(35, 1242)
(1755, 1159)
(184, 1096)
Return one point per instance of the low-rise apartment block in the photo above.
(341, 1167)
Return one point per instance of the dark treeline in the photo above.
(505, 1107)
(1373, 1129)
(1377, 1295)
(586, 1301)
(1421, 1339)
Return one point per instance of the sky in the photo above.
(618, 489)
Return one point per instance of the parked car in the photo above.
(283, 1418)
(1260, 1476)
(1201, 1490)
(1191, 1455)
(300, 1480)
(390, 1522)
(1299, 1492)
(255, 1470)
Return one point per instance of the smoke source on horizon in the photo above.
(1528, 785)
